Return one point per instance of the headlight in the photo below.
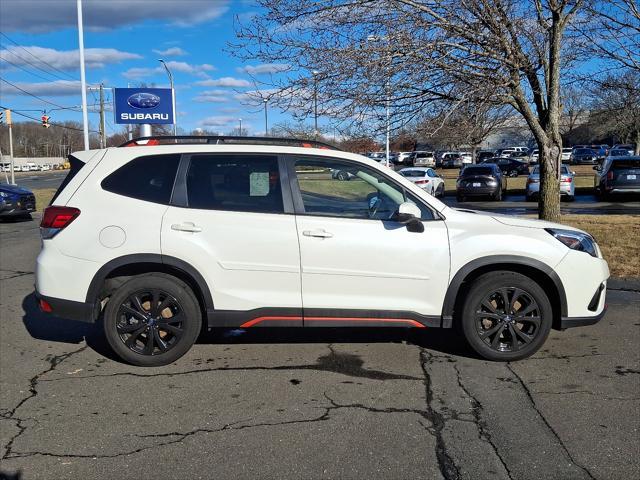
(4, 195)
(581, 242)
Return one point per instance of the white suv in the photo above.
(160, 241)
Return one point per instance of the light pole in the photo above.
(83, 79)
(266, 123)
(173, 97)
(315, 103)
(240, 131)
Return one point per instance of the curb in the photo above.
(624, 283)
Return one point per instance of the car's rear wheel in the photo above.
(152, 320)
(498, 196)
(506, 316)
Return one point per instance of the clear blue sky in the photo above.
(123, 41)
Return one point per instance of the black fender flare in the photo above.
(147, 258)
(500, 262)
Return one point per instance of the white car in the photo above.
(162, 241)
(33, 167)
(424, 159)
(44, 168)
(566, 154)
(567, 184)
(425, 178)
(404, 158)
(25, 168)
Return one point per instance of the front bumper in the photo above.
(10, 208)
(571, 322)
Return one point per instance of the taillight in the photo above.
(56, 218)
(421, 182)
(566, 180)
(610, 175)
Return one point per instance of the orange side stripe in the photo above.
(257, 320)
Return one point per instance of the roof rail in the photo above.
(226, 140)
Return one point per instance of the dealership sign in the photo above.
(143, 105)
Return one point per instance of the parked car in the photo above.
(33, 167)
(6, 167)
(25, 168)
(16, 201)
(425, 178)
(467, 158)
(534, 156)
(509, 166)
(583, 155)
(618, 175)
(45, 168)
(484, 154)
(423, 159)
(618, 152)
(405, 158)
(567, 184)
(160, 242)
(451, 160)
(566, 154)
(481, 180)
(625, 146)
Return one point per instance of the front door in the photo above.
(234, 229)
(359, 266)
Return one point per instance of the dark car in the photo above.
(480, 180)
(618, 175)
(583, 155)
(509, 166)
(484, 154)
(16, 201)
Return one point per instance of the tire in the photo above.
(440, 191)
(343, 176)
(498, 196)
(488, 329)
(126, 321)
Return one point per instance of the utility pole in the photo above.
(315, 104)
(103, 136)
(240, 134)
(266, 123)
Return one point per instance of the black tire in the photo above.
(498, 196)
(489, 325)
(440, 191)
(129, 316)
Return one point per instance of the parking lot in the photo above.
(334, 403)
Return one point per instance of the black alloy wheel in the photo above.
(152, 319)
(506, 316)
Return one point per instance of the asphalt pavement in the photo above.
(321, 403)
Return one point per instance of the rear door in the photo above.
(230, 221)
(359, 266)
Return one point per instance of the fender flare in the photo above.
(147, 258)
(498, 260)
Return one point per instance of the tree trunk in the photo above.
(550, 159)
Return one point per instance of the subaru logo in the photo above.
(143, 100)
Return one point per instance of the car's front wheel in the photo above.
(506, 316)
(152, 320)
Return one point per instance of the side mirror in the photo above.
(409, 214)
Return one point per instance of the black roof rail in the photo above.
(225, 140)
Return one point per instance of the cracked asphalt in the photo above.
(331, 403)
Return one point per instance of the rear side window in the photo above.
(148, 178)
(76, 165)
(625, 164)
(242, 183)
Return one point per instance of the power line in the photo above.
(35, 96)
(39, 59)
(25, 70)
(17, 112)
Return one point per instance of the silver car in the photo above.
(567, 183)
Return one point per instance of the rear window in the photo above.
(625, 164)
(584, 151)
(76, 165)
(478, 171)
(148, 178)
(413, 173)
(242, 183)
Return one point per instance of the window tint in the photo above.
(76, 166)
(625, 164)
(412, 173)
(341, 189)
(243, 183)
(148, 178)
(478, 171)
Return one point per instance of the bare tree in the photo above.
(413, 55)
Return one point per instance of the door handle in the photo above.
(186, 227)
(320, 233)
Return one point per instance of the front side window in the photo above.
(342, 189)
(148, 178)
(243, 183)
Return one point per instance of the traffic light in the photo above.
(5, 117)
(45, 120)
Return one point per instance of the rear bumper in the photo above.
(480, 191)
(68, 309)
(620, 189)
(571, 322)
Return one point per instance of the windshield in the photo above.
(618, 153)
